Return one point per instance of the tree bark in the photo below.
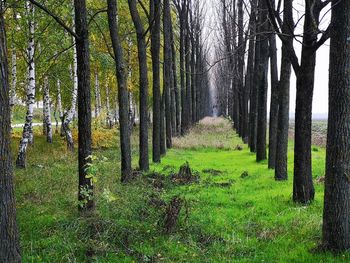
(262, 84)
(122, 92)
(336, 217)
(85, 189)
(142, 57)
(47, 111)
(168, 76)
(155, 49)
(9, 239)
(27, 136)
(281, 172)
(273, 103)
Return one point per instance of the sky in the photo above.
(320, 99)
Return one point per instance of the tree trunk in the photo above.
(47, 111)
(122, 92)
(9, 245)
(27, 136)
(85, 189)
(109, 120)
(168, 76)
(68, 118)
(336, 217)
(142, 56)
(162, 127)
(182, 17)
(155, 49)
(281, 172)
(262, 85)
(59, 106)
(14, 80)
(273, 103)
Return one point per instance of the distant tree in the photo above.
(9, 240)
(336, 217)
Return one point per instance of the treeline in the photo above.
(61, 54)
(246, 51)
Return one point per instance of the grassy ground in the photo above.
(226, 217)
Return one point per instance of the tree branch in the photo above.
(55, 17)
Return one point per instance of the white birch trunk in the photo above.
(108, 108)
(47, 111)
(59, 106)
(27, 136)
(71, 112)
(98, 103)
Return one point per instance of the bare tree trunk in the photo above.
(262, 84)
(108, 109)
(98, 105)
(281, 172)
(9, 245)
(336, 217)
(142, 56)
(68, 118)
(155, 49)
(273, 103)
(168, 76)
(85, 189)
(122, 92)
(59, 106)
(27, 136)
(47, 111)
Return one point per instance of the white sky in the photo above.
(320, 99)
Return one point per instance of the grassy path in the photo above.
(236, 213)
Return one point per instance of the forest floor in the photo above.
(233, 212)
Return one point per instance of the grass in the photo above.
(226, 217)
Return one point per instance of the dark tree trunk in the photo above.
(142, 56)
(240, 67)
(9, 239)
(336, 217)
(253, 111)
(155, 46)
(122, 93)
(249, 75)
(281, 172)
(177, 94)
(162, 127)
(84, 106)
(262, 84)
(273, 103)
(168, 76)
(188, 112)
(182, 17)
(303, 189)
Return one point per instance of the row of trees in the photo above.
(48, 38)
(243, 97)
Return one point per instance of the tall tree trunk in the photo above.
(69, 116)
(249, 80)
(262, 84)
(240, 67)
(188, 112)
(47, 111)
(281, 172)
(177, 94)
(142, 56)
(27, 136)
(182, 17)
(85, 188)
(303, 189)
(9, 245)
(168, 76)
(155, 49)
(336, 217)
(273, 103)
(162, 127)
(122, 92)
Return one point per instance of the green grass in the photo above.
(225, 218)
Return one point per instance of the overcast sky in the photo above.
(320, 99)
